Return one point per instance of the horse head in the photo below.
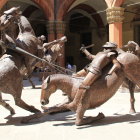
(48, 87)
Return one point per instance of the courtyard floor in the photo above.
(118, 124)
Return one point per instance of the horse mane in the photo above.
(63, 80)
(60, 76)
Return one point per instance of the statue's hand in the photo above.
(82, 48)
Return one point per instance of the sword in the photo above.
(86, 47)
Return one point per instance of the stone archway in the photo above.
(47, 7)
(63, 8)
(34, 14)
(82, 28)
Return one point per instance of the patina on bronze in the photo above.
(131, 47)
(96, 95)
(94, 70)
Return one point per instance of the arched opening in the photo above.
(83, 28)
(33, 12)
(79, 32)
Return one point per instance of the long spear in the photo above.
(15, 48)
(18, 49)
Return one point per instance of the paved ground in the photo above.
(118, 124)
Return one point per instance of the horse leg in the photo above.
(47, 110)
(132, 86)
(7, 106)
(19, 102)
(31, 82)
(82, 107)
(17, 90)
(62, 107)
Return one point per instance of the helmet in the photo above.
(110, 45)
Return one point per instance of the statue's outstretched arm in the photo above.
(87, 53)
(62, 40)
(83, 72)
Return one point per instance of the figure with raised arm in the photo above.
(94, 70)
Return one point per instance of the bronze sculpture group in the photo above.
(109, 68)
(99, 92)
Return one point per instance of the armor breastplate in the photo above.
(99, 62)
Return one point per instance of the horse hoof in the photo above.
(132, 111)
(44, 108)
(35, 111)
(33, 87)
(101, 115)
(12, 112)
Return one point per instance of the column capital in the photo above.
(115, 14)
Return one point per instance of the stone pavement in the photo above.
(118, 124)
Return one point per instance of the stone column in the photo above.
(115, 16)
(60, 31)
(56, 30)
(51, 30)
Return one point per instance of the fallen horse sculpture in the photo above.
(14, 65)
(101, 91)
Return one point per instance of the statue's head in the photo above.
(132, 47)
(110, 46)
(131, 44)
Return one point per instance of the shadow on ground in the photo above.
(68, 119)
(35, 81)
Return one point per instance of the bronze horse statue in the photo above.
(99, 92)
(14, 65)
